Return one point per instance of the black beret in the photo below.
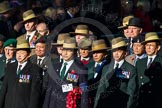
(135, 22)
(138, 39)
(42, 39)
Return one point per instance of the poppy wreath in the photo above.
(73, 99)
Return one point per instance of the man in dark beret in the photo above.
(41, 58)
(138, 50)
(8, 57)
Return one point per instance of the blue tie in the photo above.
(97, 68)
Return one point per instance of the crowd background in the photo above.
(60, 43)
(109, 12)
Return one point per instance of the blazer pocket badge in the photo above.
(72, 77)
(24, 78)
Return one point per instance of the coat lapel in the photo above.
(91, 70)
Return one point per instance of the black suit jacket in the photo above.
(149, 83)
(18, 94)
(116, 92)
(44, 66)
(55, 98)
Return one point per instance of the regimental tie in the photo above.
(39, 62)
(116, 66)
(135, 61)
(63, 71)
(28, 37)
(149, 63)
(130, 51)
(19, 69)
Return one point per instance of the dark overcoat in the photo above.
(22, 90)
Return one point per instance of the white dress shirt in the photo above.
(31, 35)
(42, 58)
(120, 63)
(22, 65)
(148, 60)
(69, 63)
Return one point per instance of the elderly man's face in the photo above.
(40, 49)
(134, 31)
(138, 48)
(9, 52)
(79, 37)
(126, 32)
(42, 29)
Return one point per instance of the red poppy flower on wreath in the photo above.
(72, 72)
(73, 98)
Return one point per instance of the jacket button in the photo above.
(142, 83)
(141, 77)
(149, 91)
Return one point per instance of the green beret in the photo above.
(10, 42)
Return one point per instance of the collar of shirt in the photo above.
(70, 14)
(69, 63)
(1, 55)
(120, 63)
(142, 56)
(82, 58)
(7, 60)
(60, 58)
(11, 60)
(97, 64)
(31, 35)
(153, 57)
(42, 58)
(23, 65)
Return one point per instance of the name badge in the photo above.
(67, 87)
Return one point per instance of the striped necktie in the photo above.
(63, 71)
(149, 63)
(19, 69)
